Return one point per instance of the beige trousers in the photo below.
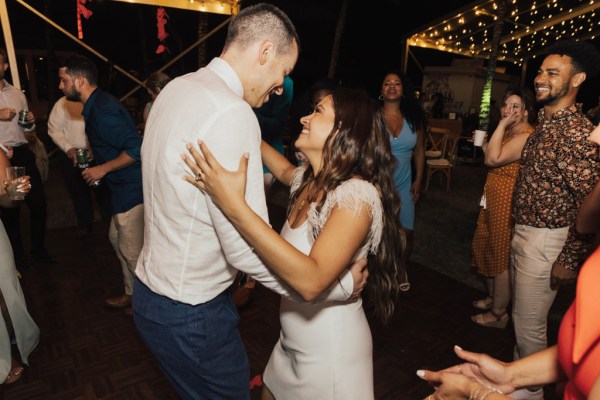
(533, 251)
(126, 234)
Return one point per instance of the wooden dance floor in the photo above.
(89, 351)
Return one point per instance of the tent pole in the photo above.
(10, 47)
(404, 55)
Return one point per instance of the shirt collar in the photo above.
(561, 114)
(6, 85)
(227, 73)
(89, 103)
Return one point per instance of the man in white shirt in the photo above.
(66, 128)
(182, 303)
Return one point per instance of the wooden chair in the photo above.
(444, 164)
(435, 144)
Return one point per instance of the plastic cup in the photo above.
(479, 137)
(12, 174)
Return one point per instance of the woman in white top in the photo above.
(343, 206)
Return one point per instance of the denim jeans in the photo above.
(199, 347)
(533, 251)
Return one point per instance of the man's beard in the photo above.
(552, 97)
(73, 95)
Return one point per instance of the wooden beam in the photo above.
(226, 7)
(10, 47)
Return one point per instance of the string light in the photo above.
(469, 32)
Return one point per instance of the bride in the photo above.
(343, 206)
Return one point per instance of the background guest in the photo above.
(116, 143)
(155, 83)
(66, 128)
(559, 168)
(406, 123)
(491, 241)
(574, 360)
(19, 335)
(273, 117)
(12, 134)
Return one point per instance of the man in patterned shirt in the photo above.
(559, 167)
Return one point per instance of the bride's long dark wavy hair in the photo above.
(359, 146)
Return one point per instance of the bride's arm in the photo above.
(308, 275)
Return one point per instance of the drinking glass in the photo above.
(15, 176)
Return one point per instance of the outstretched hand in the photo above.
(479, 367)
(226, 188)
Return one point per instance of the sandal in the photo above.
(16, 371)
(483, 304)
(491, 319)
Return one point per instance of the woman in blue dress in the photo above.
(406, 123)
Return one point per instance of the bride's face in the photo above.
(317, 127)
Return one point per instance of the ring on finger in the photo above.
(199, 176)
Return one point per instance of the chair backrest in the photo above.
(435, 145)
(451, 152)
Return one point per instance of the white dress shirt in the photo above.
(66, 126)
(11, 133)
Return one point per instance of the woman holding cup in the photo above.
(17, 328)
(491, 242)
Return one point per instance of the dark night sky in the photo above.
(126, 34)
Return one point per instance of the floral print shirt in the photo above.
(559, 167)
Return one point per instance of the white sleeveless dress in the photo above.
(325, 349)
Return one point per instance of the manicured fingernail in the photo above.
(421, 373)
(457, 347)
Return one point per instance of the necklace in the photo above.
(302, 203)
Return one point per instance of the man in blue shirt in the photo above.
(116, 143)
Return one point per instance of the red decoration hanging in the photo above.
(256, 382)
(82, 10)
(161, 21)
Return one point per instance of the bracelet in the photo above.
(474, 395)
(492, 390)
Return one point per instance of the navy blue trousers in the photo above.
(199, 348)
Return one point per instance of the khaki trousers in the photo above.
(533, 251)
(126, 234)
